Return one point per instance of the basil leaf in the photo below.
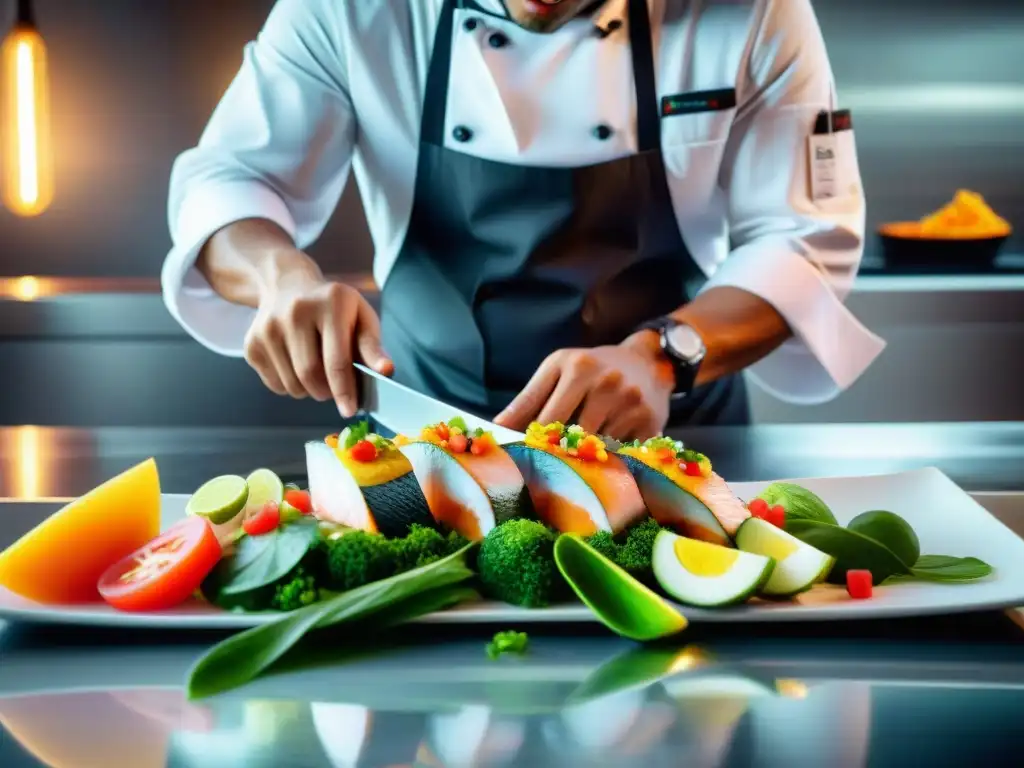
(852, 550)
(244, 656)
(951, 569)
(799, 503)
(259, 561)
(891, 531)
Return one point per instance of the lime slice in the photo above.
(264, 486)
(220, 499)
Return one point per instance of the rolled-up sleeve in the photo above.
(799, 254)
(278, 147)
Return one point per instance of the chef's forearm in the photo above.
(738, 329)
(245, 259)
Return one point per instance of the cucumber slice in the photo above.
(219, 500)
(707, 575)
(798, 566)
(264, 486)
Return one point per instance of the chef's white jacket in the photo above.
(331, 85)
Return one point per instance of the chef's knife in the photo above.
(406, 411)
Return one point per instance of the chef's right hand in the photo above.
(307, 333)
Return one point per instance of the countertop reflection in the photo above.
(930, 691)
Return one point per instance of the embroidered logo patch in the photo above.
(698, 101)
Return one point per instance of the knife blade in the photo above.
(406, 411)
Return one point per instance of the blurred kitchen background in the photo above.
(937, 93)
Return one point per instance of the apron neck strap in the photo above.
(648, 116)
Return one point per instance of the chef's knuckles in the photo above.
(616, 390)
(304, 339)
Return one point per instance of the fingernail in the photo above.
(346, 408)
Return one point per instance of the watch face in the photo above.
(685, 342)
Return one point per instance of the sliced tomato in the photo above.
(166, 571)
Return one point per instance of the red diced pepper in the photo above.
(858, 584)
(758, 508)
(587, 451)
(264, 521)
(364, 451)
(693, 469)
(458, 443)
(776, 516)
(666, 455)
(554, 437)
(442, 431)
(300, 500)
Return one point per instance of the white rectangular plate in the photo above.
(946, 519)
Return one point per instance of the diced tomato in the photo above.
(758, 508)
(692, 469)
(364, 451)
(776, 516)
(666, 455)
(442, 430)
(264, 521)
(554, 437)
(587, 450)
(300, 500)
(458, 443)
(858, 584)
(166, 571)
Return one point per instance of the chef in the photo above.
(600, 212)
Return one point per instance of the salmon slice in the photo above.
(580, 496)
(698, 507)
(468, 493)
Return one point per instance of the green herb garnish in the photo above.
(458, 423)
(508, 642)
(354, 433)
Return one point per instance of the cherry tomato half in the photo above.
(458, 443)
(364, 451)
(166, 571)
(300, 500)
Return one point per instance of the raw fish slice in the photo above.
(694, 502)
(470, 482)
(380, 494)
(584, 493)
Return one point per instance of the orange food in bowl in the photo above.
(966, 217)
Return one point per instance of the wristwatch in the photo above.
(684, 348)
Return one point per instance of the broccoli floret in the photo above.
(508, 642)
(454, 542)
(296, 590)
(421, 546)
(636, 553)
(517, 564)
(359, 558)
(604, 543)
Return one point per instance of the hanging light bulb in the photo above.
(26, 162)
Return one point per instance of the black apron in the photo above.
(504, 264)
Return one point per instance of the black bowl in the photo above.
(935, 254)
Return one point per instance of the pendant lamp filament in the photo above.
(26, 159)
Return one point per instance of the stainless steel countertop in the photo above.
(814, 695)
(41, 462)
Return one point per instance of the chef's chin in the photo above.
(537, 16)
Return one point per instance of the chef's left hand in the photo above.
(621, 391)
